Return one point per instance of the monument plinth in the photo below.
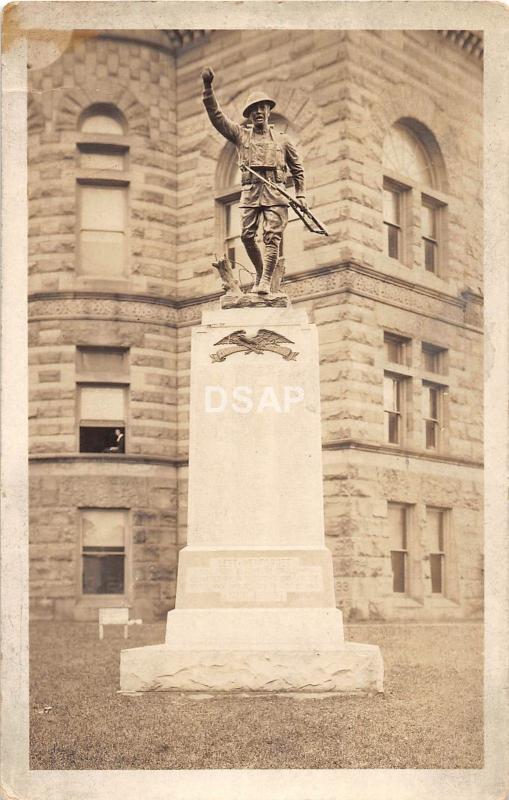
(255, 607)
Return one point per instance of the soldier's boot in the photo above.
(255, 255)
(271, 257)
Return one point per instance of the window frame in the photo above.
(444, 534)
(404, 343)
(442, 356)
(107, 144)
(106, 424)
(439, 207)
(100, 378)
(402, 382)
(439, 422)
(419, 193)
(404, 194)
(122, 186)
(405, 508)
(105, 600)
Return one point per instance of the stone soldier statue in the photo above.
(269, 153)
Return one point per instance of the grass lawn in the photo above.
(430, 716)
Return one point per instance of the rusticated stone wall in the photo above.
(138, 78)
(58, 490)
(357, 488)
(149, 333)
(342, 92)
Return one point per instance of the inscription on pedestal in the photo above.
(254, 579)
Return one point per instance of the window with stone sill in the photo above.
(395, 388)
(103, 551)
(395, 202)
(414, 174)
(397, 520)
(102, 390)
(397, 349)
(102, 193)
(436, 534)
(434, 396)
(434, 358)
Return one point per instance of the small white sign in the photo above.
(113, 616)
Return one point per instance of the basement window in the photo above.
(103, 551)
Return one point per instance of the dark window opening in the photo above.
(392, 241)
(436, 567)
(393, 427)
(431, 434)
(396, 348)
(434, 358)
(430, 255)
(102, 439)
(398, 561)
(393, 408)
(103, 570)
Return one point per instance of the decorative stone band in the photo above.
(102, 306)
(330, 279)
(183, 461)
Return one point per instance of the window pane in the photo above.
(428, 221)
(436, 568)
(103, 574)
(393, 428)
(102, 403)
(103, 527)
(431, 434)
(394, 349)
(398, 571)
(102, 161)
(102, 253)
(101, 123)
(233, 246)
(100, 439)
(232, 220)
(391, 203)
(430, 255)
(389, 402)
(396, 516)
(404, 153)
(433, 403)
(392, 393)
(430, 359)
(102, 208)
(392, 241)
(435, 529)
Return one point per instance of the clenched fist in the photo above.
(207, 76)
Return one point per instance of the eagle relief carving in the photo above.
(265, 340)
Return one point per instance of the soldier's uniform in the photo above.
(272, 155)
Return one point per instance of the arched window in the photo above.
(102, 186)
(228, 216)
(414, 180)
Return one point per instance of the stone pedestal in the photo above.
(255, 607)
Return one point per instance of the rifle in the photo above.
(309, 220)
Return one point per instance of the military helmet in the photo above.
(257, 97)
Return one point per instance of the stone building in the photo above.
(132, 193)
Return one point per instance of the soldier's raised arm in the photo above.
(226, 127)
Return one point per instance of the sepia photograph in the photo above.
(254, 283)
